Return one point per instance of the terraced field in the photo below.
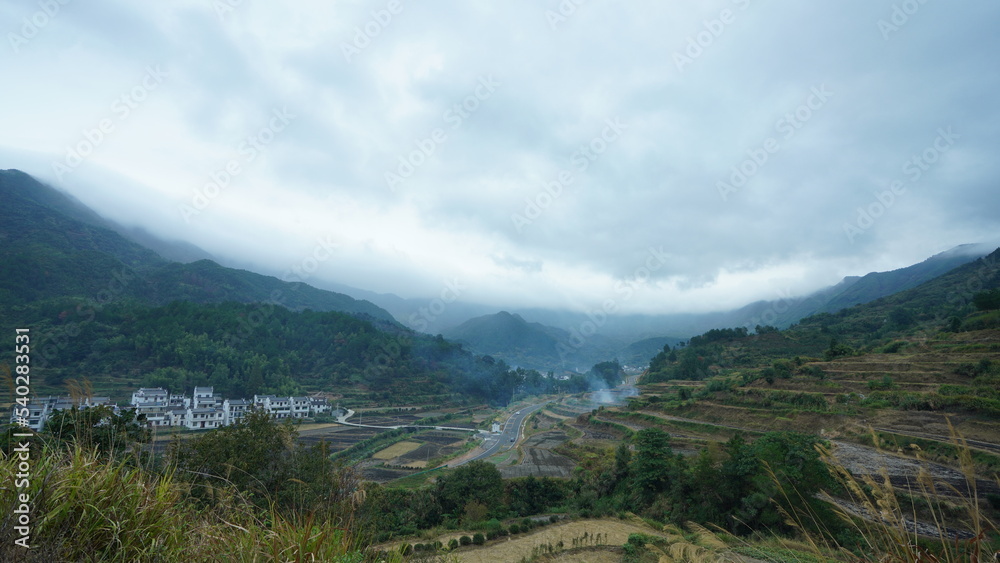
(396, 450)
(539, 460)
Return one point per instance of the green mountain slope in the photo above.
(511, 338)
(53, 246)
(944, 303)
(852, 290)
(100, 307)
(533, 345)
(881, 284)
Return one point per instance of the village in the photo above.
(202, 410)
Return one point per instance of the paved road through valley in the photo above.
(496, 443)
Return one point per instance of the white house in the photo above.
(234, 410)
(300, 406)
(150, 395)
(319, 405)
(205, 397)
(204, 418)
(156, 413)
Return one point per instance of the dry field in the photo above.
(612, 532)
(396, 450)
(539, 460)
(589, 555)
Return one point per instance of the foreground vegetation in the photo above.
(247, 493)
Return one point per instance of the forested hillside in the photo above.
(53, 247)
(104, 309)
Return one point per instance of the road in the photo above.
(342, 419)
(508, 438)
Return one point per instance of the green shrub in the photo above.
(478, 539)
(465, 540)
(893, 347)
(782, 368)
(883, 384)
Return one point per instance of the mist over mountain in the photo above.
(54, 239)
(446, 318)
(54, 246)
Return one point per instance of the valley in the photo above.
(885, 390)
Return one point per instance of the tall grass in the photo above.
(87, 507)
(886, 523)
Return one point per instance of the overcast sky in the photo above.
(700, 155)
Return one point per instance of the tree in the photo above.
(901, 318)
(477, 481)
(608, 374)
(98, 427)
(651, 467)
(987, 300)
(253, 455)
(836, 350)
(623, 457)
(475, 511)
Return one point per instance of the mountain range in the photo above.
(620, 330)
(54, 246)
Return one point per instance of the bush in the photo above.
(782, 368)
(814, 371)
(515, 529)
(465, 540)
(966, 369)
(893, 347)
(453, 543)
(883, 384)
(478, 539)
(837, 350)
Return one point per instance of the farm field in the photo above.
(581, 532)
(415, 453)
(396, 450)
(539, 460)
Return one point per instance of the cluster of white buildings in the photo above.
(204, 409)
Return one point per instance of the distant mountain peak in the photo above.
(509, 315)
